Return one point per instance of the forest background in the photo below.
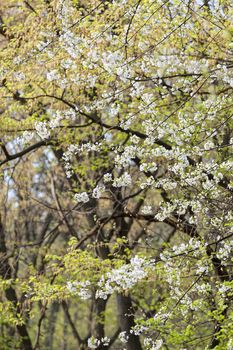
(116, 217)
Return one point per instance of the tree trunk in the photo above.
(126, 321)
(5, 273)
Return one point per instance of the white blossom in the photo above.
(53, 75)
(105, 341)
(107, 177)
(98, 191)
(124, 277)
(81, 197)
(42, 130)
(123, 337)
(147, 210)
(123, 181)
(157, 344)
(93, 343)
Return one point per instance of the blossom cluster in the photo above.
(124, 277)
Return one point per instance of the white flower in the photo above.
(223, 289)
(80, 289)
(110, 60)
(134, 139)
(93, 343)
(52, 75)
(148, 167)
(147, 210)
(161, 316)
(69, 173)
(126, 158)
(81, 197)
(101, 294)
(55, 121)
(72, 287)
(84, 293)
(66, 63)
(107, 177)
(157, 345)
(97, 192)
(123, 181)
(42, 130)
(70, 114)
(204, 288)
(123, 337)
(208, 145)
(138, 329)
(149, 182)
(124, 277)
(147, 341)
(26, 137)
(126, 124)
(202, 269)
(105, 341)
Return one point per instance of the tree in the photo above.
(116, 161)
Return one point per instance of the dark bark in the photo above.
(5, 273)
(49, 339)
(75, 333)
(126, 321)
(98, 321)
